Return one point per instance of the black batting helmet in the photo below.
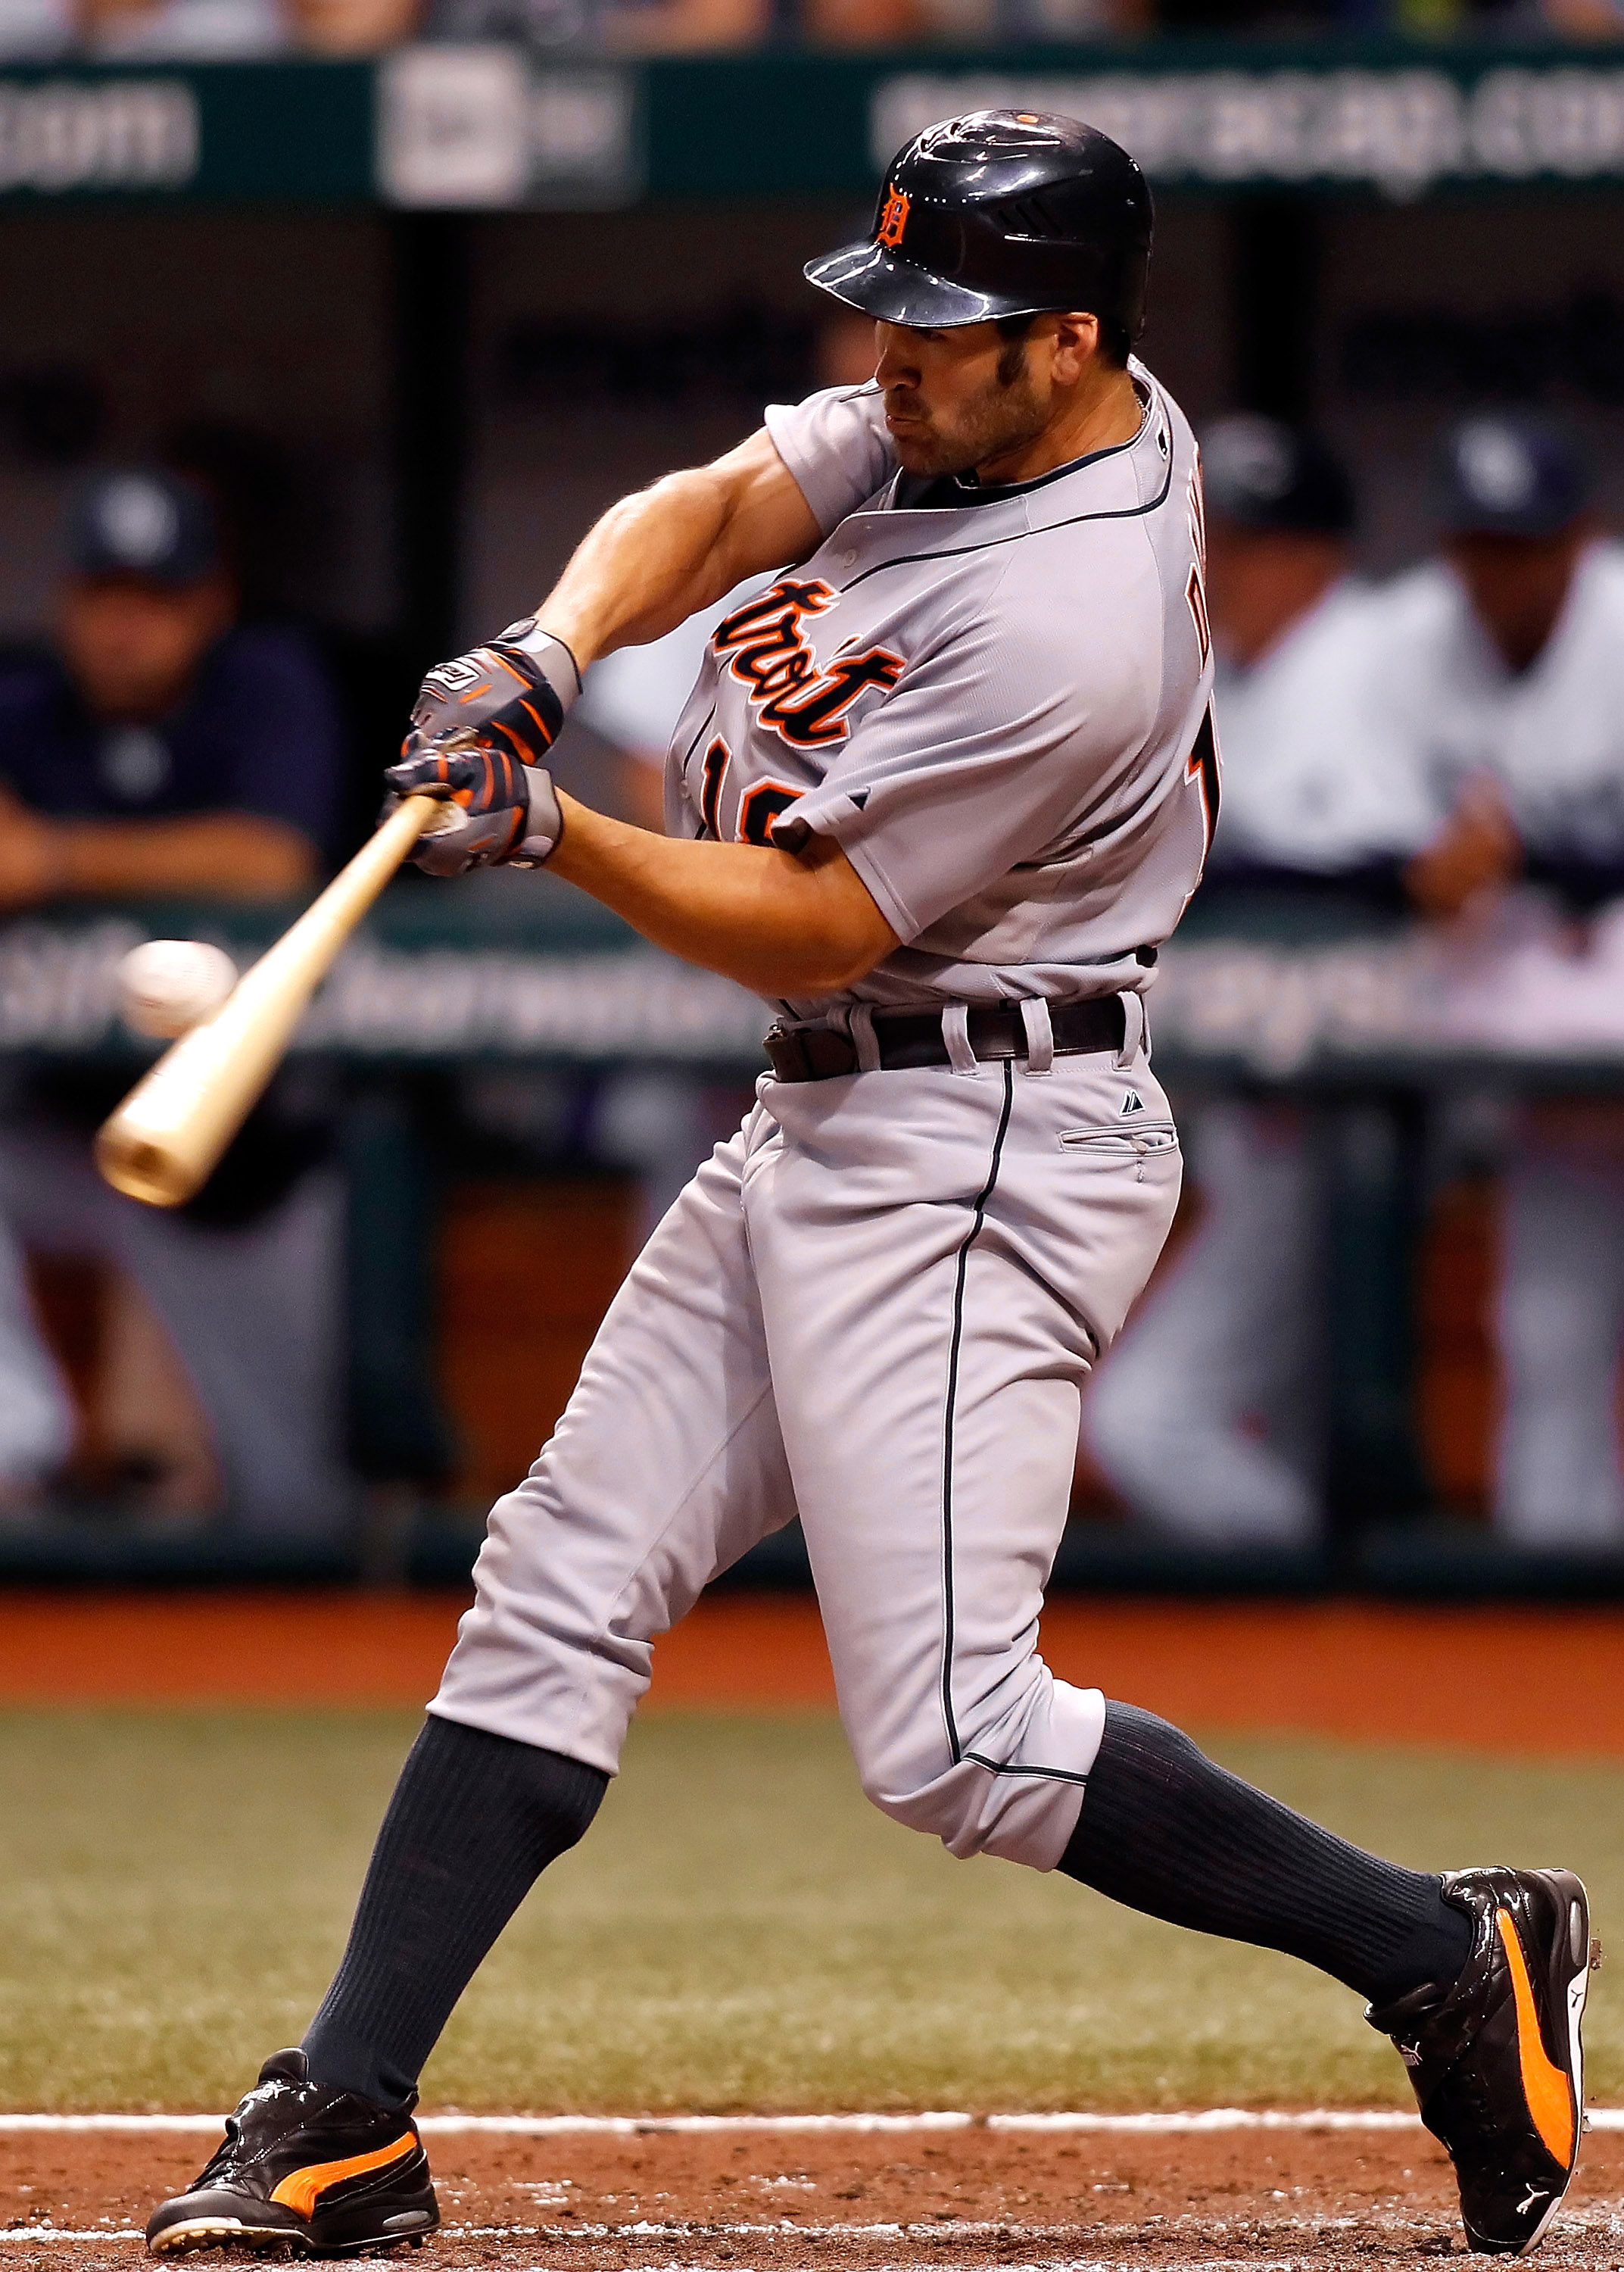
(1001, 213)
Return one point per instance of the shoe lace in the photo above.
(234, 2150)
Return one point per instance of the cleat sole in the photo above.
(1578, 1990)
(192, 2238)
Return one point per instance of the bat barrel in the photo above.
(166, 1139)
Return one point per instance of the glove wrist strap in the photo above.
(543, 824)
(550, 655)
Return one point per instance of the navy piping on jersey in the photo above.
(1073, 521)
(968, 495)
(704, 727)
(959, 1755)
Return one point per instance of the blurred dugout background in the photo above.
(404, 321)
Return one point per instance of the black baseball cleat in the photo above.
(1495, 2058)
(305, 2170)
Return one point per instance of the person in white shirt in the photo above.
(1503, 664)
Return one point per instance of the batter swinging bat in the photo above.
(165, 1139)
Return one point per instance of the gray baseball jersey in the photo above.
(998, 707)
(875, 1306)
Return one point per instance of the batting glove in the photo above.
(510, 695)
(511, 814)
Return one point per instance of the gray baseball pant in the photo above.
(874, 1306)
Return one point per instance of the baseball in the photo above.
(166, 985)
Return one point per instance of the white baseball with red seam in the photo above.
(166, 985)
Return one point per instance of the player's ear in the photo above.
(1076, 344)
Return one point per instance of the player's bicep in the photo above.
(848, 918)
(768, 519)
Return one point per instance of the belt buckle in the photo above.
(786, 1053)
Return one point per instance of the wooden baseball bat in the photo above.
(166, 1139)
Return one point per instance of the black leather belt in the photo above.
(910, 1038)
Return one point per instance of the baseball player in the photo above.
(1209, 1416)
(939, 795)
(1503, 666)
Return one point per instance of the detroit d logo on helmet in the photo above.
(894, 219)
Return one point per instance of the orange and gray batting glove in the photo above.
(510, 814)
(481, 729)
(510, 695)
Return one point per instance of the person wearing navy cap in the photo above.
(156, 747)
(1504, 667)
(1208, 1415)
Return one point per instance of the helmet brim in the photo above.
(893, 290)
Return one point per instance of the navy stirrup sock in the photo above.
(1165, 1831)
(474, 1821)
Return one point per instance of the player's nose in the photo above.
(898, 364)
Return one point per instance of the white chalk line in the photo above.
(642, 2126)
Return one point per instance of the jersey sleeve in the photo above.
(836, 445)
(985, 756)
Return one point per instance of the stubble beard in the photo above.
(1003, 417)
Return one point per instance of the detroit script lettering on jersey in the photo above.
(767, 652)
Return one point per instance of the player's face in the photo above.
(1260, 580)
(959, 398)
(1518, 585)
(134, 646)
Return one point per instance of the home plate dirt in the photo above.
(973, 2197)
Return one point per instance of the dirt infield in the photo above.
(1343, 1669)
(967, 2198)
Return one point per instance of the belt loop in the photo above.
(1135, 1031)
(860, 1025)
(956, 1037)
(1040, 1032)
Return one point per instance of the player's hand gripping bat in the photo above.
(165, 1139)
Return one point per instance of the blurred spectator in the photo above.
(1581, 19)
(219, 30)
(203, 31)
(1209, 1414)
(352, 27)
(158, 749)
(1436, 742)
(1504, 663)
(35, 31)
(647, 28)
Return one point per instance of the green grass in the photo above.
(740, 1929)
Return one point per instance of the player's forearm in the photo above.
(216, 856)
(776, 921)
(659, 556)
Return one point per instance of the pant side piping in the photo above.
(971, 1236)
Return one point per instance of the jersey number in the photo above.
(1195, 590)
(760, 807)
(1202, 766)
(714, 773)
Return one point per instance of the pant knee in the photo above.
(974, 1809)
(1008, 1783)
